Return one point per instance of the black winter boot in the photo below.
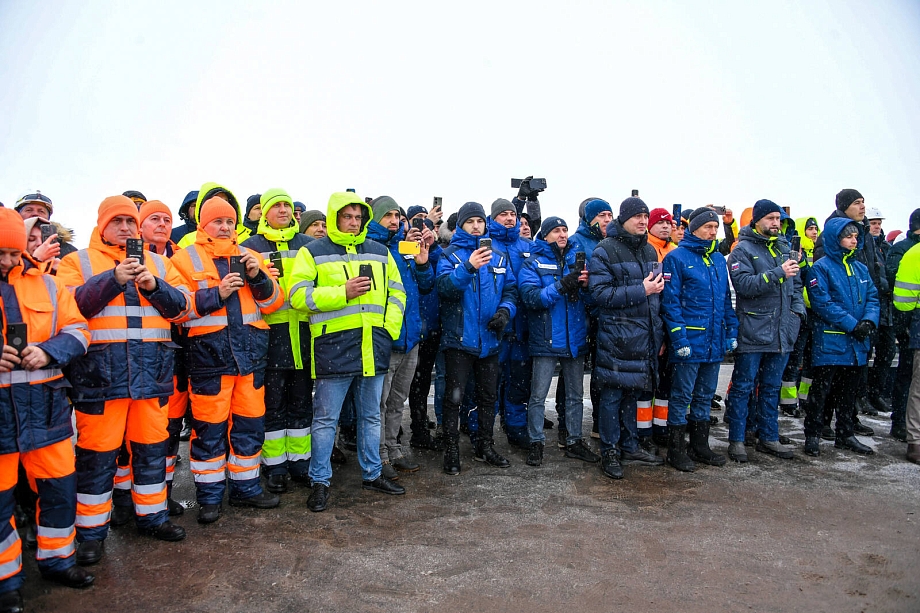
(485, 452)
(677, 453)
(535, 457)
(699, 450)
(451, 456)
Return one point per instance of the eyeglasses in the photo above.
(34, 197)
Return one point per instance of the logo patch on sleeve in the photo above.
(666, 276)
(813, 283)
(735, 265)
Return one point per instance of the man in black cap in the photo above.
(770, 309)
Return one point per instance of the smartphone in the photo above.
(17, 336)
(409, 248)
(275, 258)
(366, 270)
(48, 231)
(795, 247)
(635, 193)
(656, 268)
(237, 266)
(675, 214)
(485, 243)
(437, 202)
(581, 260)
(418, 223)
(134, 248)
(719, 210)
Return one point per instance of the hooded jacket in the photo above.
(630, 329)
(558, 326)
(808, 245)
(189, 227)
(34, 411)
(696, 303)
(289, 329)
(517, 249)
(470, 297)
(349, 337)
(767, 304)
(842, 295)
(207, 191)
(417, 280)
(131, 348)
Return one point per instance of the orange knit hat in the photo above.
(113, 206)
(12, 230)
(215, 208)
(153, 206)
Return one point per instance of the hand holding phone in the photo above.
(134, 248)
(17, 337)
(237, 266)
(277, 262)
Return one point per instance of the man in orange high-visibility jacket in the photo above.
(35, 426)
(117, 386)
(227, 349)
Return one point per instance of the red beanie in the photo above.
(113, 206)
(657, 215)
(12, 230)
(215, 208)
(153, 206)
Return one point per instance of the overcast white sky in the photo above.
(690, 102)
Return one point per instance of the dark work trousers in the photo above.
(884, 348)
(421, 383)
(834, 386)
(288, 412)
(458, 366)
(902, 380)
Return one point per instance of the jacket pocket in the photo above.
(39, 316)
(93, 370)
(756, 328)
(832, 342)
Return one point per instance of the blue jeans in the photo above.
(573, 369)
(692, 385)
(744, 378)
(327, 404)
(617, 417)
(514, 387)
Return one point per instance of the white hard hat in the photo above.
(873, 212)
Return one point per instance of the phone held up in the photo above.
(134, 248)
(17, 336)
(237, 266)
(485, 243)
(48, 231)
(795, 247)
(581, 260)
(275, 258)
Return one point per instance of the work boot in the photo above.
(318, 498)
(913, 453)
(827, 433)
(485, 452)
(338, 456)
(639, 457)
(276, 484)
(535, 456)
(209, 513)
(262, 500)
(865, 408)
(121, 515)
(774, 448)
(713, 420)
(737, 452)
(167, 531)
(862, 430)
(384, 486)
(677, 451)
(899, 433)
(389, 472)
(90, 552)
(581, 451)
(880, 404)
(76, 577)
(562, 435)
(547, 424)
(11, 602)
(348, 437)
(423, 440)
(699, 450)
(186, 432)
(852, 443)
(647, 443)
(714, 405)
(812, 447)
(404, 464)
(174, 508)
(452, 457)
(610, 464)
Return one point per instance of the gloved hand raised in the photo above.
(569, 282)
(499, 320)
(863, 329)
(524, 191)
(684, 352)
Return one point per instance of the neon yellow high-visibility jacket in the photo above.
(907, 291)
(348, 337)
(209, 190)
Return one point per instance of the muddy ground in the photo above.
(836, 533)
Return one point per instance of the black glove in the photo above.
(863, 329)
(524, 192)
(499, 321)
(569, 282)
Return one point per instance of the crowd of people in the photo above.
(271, 337)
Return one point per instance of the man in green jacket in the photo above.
(353, 292)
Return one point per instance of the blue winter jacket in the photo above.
(630, 330)
(416, 280)
(430, 304)
(558, 326)
(842, 294)
(470, 297)
(696, 304)
(517, 249)
(586, 238)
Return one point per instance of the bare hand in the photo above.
(729, 217)
(435, 215)
(252, 264)
(9, 359)
(791, 268)
(229, 284)
(145, 279)
(34, 358)
(274, 272)
(583, 277)
(126, 271)
(357, 286)
(653, 284)
(423, 246)
(480, 257)
(47, 250)
(428, 237)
